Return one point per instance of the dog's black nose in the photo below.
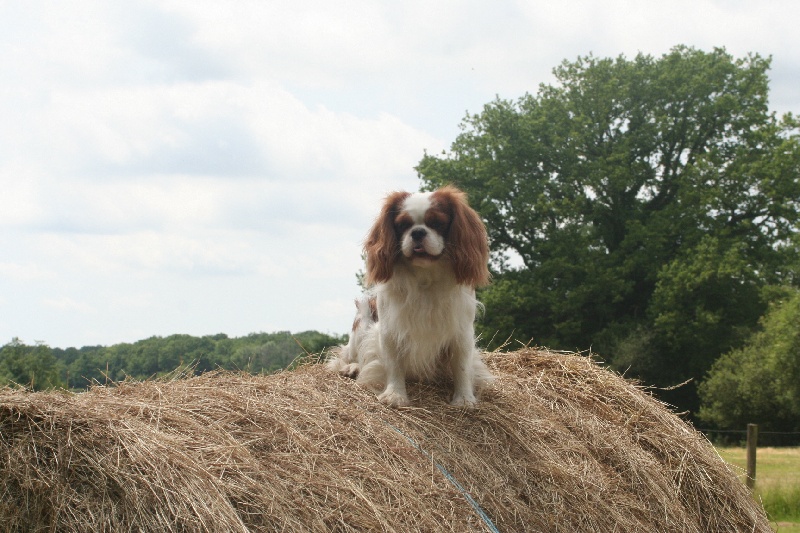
(418, 234)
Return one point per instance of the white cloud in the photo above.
(138, 155)
(69, 305)
(24, 272)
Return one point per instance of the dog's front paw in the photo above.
(393, 398)
(351, 370)
(467, 401)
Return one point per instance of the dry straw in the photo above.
(558, 444)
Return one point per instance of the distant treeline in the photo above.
(41, 367)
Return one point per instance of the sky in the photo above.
(207, 167)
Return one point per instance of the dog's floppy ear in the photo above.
(382, 244)
(467, 242)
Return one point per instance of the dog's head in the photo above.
(427, 229)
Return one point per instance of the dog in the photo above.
(426, 253)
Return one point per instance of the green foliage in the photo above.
(636, 206)
(30, 366)
(705, 301)
(41, 367)
(759, 382)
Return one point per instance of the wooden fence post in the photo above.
(752, 444)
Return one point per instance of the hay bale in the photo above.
(557, 444)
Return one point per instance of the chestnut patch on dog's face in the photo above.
(437, 220)
(402, 223)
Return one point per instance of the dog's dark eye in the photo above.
(436, 220)
(402, 223)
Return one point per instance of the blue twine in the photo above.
(453, 481)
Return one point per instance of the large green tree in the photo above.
(638, 207)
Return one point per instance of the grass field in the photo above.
(777, 483)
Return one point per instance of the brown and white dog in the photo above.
(426, 253)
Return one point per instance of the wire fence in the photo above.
(734, 437)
